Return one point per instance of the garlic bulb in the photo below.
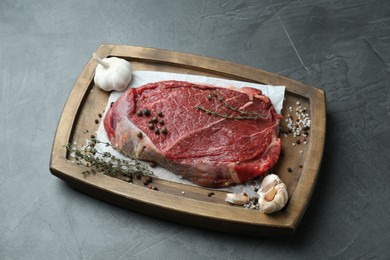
(273, 194)
(237, 199)
(112, 73)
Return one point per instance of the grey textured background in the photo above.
(342, 47)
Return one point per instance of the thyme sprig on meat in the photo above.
(243, 114)
(105, 162)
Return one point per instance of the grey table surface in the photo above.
(342, 47)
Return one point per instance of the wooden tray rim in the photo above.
(64, 169)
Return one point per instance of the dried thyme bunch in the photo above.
(243, 114)
(105, 162)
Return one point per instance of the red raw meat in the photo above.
(210, 149)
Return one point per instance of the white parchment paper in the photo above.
(275, 93)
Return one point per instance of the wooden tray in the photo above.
(183, 203)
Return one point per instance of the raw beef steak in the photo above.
(210, 135)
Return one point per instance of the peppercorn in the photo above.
(153, 164)
(100, 115)
(96, 121)
(147, 181)
(160, 114)
(161, 122)
(157, 131)
(151, 126)
(164, 131)
(153, 120)
(139, 113)
(147, 112)
(139, 135)
(289, 169)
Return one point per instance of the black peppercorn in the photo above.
(164, 130)
(147, 181)
(147, 112)
(160, 114)
(153, 164)
(151, 126)
(139, 113)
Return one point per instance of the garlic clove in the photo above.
(273, 194)
(237, 199)
(270, 194)
(281, 196)
(269, 182)
(112, 73)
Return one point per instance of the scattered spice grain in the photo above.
(210, 194)
(139, 113)
(153, 164)
(164, 131)
(147, 112)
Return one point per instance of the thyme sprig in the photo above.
(105, 162)
(243, 114)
